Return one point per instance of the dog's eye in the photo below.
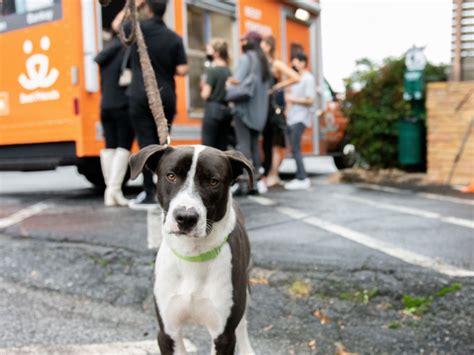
(171, 177)
(213, 182)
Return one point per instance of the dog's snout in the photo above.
(186, 218)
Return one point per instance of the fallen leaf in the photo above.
(340, 350)
(268, 327)
(323, 318)
(258, 280)
(312, 344)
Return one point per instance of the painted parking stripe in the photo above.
(264, 201)
(145, 347)
(381, 246)
(23, 214)
(408, 210)
(428, 195)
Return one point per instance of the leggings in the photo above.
(117, 126)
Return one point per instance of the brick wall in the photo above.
(450, 108)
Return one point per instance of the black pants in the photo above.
(215, 127)
(147, 134)
(267, 144)
(118, 130)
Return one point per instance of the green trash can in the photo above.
(410, 141)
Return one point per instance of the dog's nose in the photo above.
(186, 218)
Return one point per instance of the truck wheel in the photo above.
(90, 169)
(347, 158)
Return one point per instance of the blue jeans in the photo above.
(295, 133)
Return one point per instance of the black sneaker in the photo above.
(143, 202)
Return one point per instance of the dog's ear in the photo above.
(239, 162)
(148, 156)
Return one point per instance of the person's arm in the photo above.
(206, 91)
(182, 67)
(182, 70)
(109, 52)
(308, 99)
(119, 18)
(243, 69)
(206, 87)
(292, 77)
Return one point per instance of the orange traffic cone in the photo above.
(469, 188)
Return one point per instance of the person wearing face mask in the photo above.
(251, 115)
(216, 121)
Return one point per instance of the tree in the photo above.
(374, 104)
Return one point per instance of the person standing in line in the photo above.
(251, 115)
(274, 133)
(300, 109)
(118, 131)
(168, 59)
(216, 121)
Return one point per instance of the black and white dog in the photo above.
(202, 266)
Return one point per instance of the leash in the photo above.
(149, 78)
(202, 258)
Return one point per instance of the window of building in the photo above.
(202, 26)
(16, 14)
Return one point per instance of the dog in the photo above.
(202, 266)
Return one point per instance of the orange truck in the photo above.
(50, 85)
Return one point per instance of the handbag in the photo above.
(125, 77)
(245, 89)
(277, 114)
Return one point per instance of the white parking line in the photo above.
(22, 214)
(145, 347)
(370, 242)
(407, 210)
(421, 194)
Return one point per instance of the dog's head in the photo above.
(193, 184)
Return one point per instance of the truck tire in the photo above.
(347, 157)
(91, 170)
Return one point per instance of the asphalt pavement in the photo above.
(357, 268)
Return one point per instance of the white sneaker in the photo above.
(143, 202)
(297, 184)
(262, 187)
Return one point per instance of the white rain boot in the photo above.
(113, 193)
(106, 159)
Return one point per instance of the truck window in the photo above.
(17, 14)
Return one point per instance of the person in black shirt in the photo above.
(168, 59)
(216, 121)
(116, 123)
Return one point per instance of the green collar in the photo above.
(201, 258)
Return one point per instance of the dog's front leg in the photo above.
(171, 342)
(243, 340)
(224, 344)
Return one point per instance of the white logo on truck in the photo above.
(38, 74)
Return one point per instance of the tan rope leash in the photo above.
(149, 78)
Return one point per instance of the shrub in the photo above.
(374, 104)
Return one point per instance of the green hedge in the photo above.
(374, 104)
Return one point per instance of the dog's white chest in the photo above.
(193, 292)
